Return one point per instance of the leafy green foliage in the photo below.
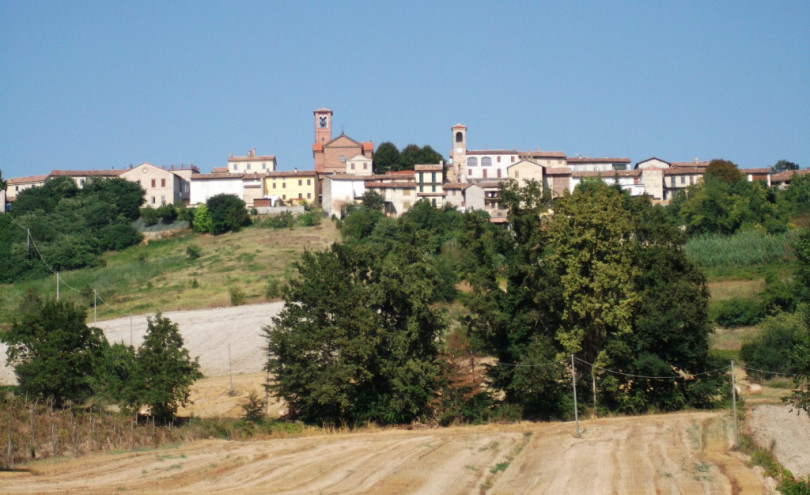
(70, 227)
(253, 408)
(227, 213)
(202, 220)
(724, 170)
(165, 369)
(784, 166)
(356, 340)
(284, 219)
(193, 251)
(771, 349)
(117, 376)
(55, 355)
(719, 206)
(800, 354)
(388, 158)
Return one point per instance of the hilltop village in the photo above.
(343, 170)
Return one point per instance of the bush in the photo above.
(228, 214)
(273, 288)
(310, 219)
(193, 251)
(772, 348)
(253, 408)
(237, 296)
(280, 221)
(149, 216)
(737, 312)
(118, 236)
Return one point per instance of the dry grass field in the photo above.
(675, 453)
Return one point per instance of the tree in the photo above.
(165, 369)
(356, 340)
(800, 354)
(784, 166)
(116, 380)
(202, 220)
(724, 170)
(2, 182)
(373, 201)
(228, 213)
(591, 253)
(386, 158)
(125, 196)
(55, 355)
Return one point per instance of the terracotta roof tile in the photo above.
(581, 159)
(390, 185)
(87, 173)
(25, 180)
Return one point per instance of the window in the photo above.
(162, 182)
(406, 192)
(274, 185)
(434, 187)
(499, 159)
(248, 166)
(517, 174)
(513, 158)
(309, 195)
(283, 196)
(421, 188)
(342, 158)
(421, 177)
(300, 182)
(300, 195)
(485, 174)
(365, 167)
(153, 200)
(308, 183)
(234, 167)
(433, 177)
(264, 166)
(472, 161)
(406, 205)
(284, 185)
(486, 161)
(153, 185)
(499, 173)
(163, 200)
(352, 167)
(459, 137)
(683, 180)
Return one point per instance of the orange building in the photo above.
(330, 155)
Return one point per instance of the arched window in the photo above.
(459, 137)
(486, 161)
(472, 161)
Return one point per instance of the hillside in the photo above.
(161, 276)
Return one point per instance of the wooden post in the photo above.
(734, 405)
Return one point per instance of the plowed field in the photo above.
(675, 453)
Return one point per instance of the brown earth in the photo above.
(674, 453)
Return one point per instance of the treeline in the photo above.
(67, 226)
(59, 360)
(364, 336)
(59, 226)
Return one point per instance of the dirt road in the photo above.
(675, 453)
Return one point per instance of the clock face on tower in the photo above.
(322, 121)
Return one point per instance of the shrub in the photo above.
(253, 408)
(273, 288)
(193, 251)
(149, 216)
(237, 296)
(737, 312)
(228, 213)
(771, 349)
(280, 221)
(310, 219)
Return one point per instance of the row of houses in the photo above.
(342, 171)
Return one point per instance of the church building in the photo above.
(330, 154)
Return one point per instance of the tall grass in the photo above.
(740, 249)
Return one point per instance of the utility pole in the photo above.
(95, 304)
(57, 286)
(734, 405)
(574, 382)
(230, 371)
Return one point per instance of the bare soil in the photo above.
(675, 453)
(786, 432)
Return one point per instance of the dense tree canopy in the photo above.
(356, 340)
(724, 170)
(605, 279)
(55, 355)
(388, 158)
(165, 370)
(783, 166)
(69, 227)
(227, 213)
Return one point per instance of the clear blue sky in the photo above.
(102, 84)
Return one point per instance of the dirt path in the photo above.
(675, 453)
(786, 431)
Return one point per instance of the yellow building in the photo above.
(292, 187)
